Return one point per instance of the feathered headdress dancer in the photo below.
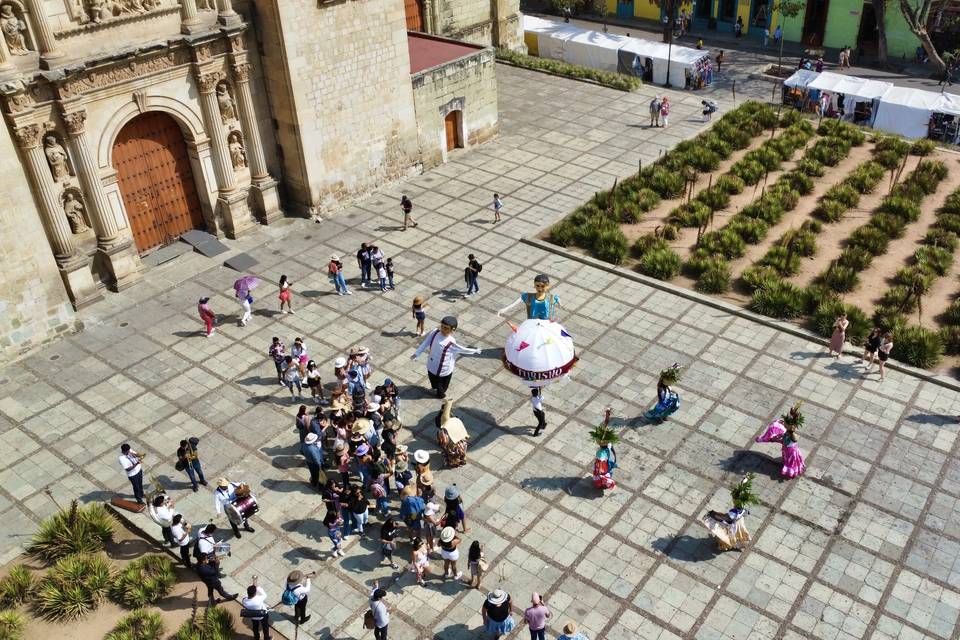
(671, 375)
(793, 419)
(742, 493)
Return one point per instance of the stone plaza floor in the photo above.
(865, 545)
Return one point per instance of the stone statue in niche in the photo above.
(57, 158)
(238, 154)
(75, 212)
(205, 5)
(13, 29)
(228, 110)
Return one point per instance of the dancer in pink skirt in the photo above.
(784, 431)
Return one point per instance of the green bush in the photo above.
(750, 229)
(703, 159)
(889, 160)
(816, 295)
(769, 208)
(750, 171)
(866, 177)
(839, 278)
(950, 336)
(74, 587)
(888, 224)
(667, 184)
(79, 529)
(647, 243)
(786, 264)
(723, 243)
(12, 625)
(811, 167)
(829, 210)
(778, 299)
(214, 623)
(767, 157)
(949, 222)
(759, 276)
(909, 278)
(829, 151)
(923, 147)
(798, 181)
(612, 79)
(16, 587)
(844, 130)
(144, 581)
(936, 259)
(785, 197)
(827, 312)
(898, 297)
(790, 117)
(903, 208)
(888, 318)
(647, 199)
(719, 146)
(869, 239)
(804, 239)
(844, 194)
(661, 263)
(139, 624)
(668, 232)
(690, 214)
(952, 203)
(628, 211)
(610, 245)
(730, 184)
(715, 277)
(733, 135)
(714, 197)
(918, 347)
(855, 258)
(937, 237)
(564, 233)
(952, 315)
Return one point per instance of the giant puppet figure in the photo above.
(539, 351)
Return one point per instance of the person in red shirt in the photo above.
(335, 268)
(207, 315)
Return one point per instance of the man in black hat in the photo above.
(189, 461)
(444, 350)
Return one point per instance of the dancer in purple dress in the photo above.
(784, 431)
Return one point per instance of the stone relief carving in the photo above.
(238, 155)
(28, 135)
(236, 43)
(242, 71)
(100, 10)
(57, 158)
(208, 81)
(206, 5)
(17, 102)
(98, 78)
(75, 211)
(13, 28)
(228, 108)
(75, 122)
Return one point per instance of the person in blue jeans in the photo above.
(190, 461)
(471, 274)
(365, 263)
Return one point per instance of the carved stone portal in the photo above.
(101, 10)
(75, 211)
(13, 28)
(238, 155)
(228, 108)
(57, 158)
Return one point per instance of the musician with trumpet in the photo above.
(235, 498)
(161, 512)
(180, 531)
(132, 463)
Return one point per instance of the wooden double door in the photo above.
(156, 180)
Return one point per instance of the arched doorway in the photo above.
(153, 169)
(451, 125)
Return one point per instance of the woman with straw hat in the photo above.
(449, 541)
(570, 632)
(496, 613)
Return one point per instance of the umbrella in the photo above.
(539, 352)
(243, 285)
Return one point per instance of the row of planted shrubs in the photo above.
(595, 226)
(610, 79)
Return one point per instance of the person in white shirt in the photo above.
(380, 611)
(180, 531)
(131, 461)
(298, 583)
(206, 544)
(443, 350)
(226, 493)
(161, 511)
(256, 600)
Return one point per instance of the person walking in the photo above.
(335, 269)
(665, 111)
(476, 563)
(210, 576)
(291, 378)
(497, 206)
(871, 346)
(285, 294)
(365, 264)
(360, 507)
(709, 108)
(388, 535)
(419, 310)
(380, 611)
(777, 35)
(412, 507)
(180, 530)
(420, 560)
(719, 60)
(406, 206)
(161, 511)
(278, 352)
(207, 315)
(449, 541)
(224, 494)
(298, 590)
(132, 464)
(334, 524)
(570, 629)
(839, 335)
(443, 352)
(313, 456)
(300, 356)
(471, 274)
(883, 353)
(246, 303)
(655, 111)
(454, 515)
(738, 27)
(766, 37)
(948, 75)
(536, 617)
(495, 611)
(188, 460)
(256, 603)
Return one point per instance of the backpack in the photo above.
(368, 621)
(478, 266)
(289, 598)
(196, 549)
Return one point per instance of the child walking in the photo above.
(497, 206)
(419, 314)
(207, 315)
(389, 267)
(285, 294)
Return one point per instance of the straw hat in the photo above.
(402, 448)
(310, 439)
(373, 406)
(421, 456)
(295, 576)
(447, 534)
(361, 425)
(497, 596)
(335, 257)
(426, 478)
(400, 465)
(359, 350)
(570, 627)
(339, 363)
(223, 482)
(340, 448)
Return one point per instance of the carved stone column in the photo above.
(42, 33)
(231, 202)
(226, 16)
(74, 269)
(189, 16)
(264, 186)
(117, 250)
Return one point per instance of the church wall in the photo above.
(485, 22)
(34, 306)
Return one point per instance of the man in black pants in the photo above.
(131, 461)
(443, 351)
(210, 575)
(536, 399)
(226, 493)
(256, 601)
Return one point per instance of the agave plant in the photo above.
(74, 587)
(214, 623)
(11, 625)
(144, 581)
(80, 529)
(140, 624)
(16, 587)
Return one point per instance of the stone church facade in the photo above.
(130, 122)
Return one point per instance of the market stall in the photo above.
(593, 49)
(906, 111)
(795, 87)
(945, 120)
(689, 68)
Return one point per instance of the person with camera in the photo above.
(255, 610)
(132, 463)
(189, 461)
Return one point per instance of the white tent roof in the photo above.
(801, 78)
(593, 49)
(948, 103)
(539, 25)
(849, 85)
(827, 81)
(906, 111)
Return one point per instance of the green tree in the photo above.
(786, 9)
(917, 14)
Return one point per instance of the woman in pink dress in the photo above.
(784, 431)
(839, 334)
(207, 315)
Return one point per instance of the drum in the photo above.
(241, 509)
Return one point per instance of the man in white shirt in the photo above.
(256, 601)
(131, 461)
(298, 584)
(206, 543)
(443, 350)
(226, 493)
(161, 511)
(180, 531)
(381, 613)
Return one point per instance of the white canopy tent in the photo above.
(800, 79)
(552, 44)
(905, 111)
(593, 49)
(681, 59)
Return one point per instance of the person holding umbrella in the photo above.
(243, 286)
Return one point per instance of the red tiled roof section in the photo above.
(429, 51)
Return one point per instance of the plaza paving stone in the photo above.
(863, 546)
